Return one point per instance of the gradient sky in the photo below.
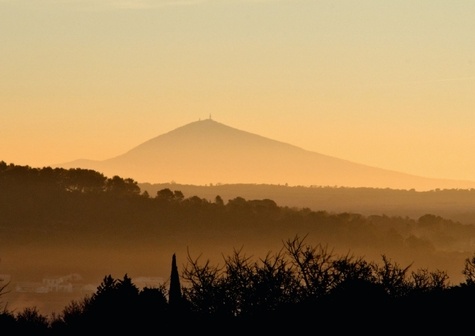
(390, 84)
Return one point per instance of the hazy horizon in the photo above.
(389, 85)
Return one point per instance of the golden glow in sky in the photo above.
(390, 84)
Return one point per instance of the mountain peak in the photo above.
(207, 151)
(201, 125)
(208, 135)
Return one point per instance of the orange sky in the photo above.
(388, 84)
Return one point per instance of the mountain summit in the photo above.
(206, 151)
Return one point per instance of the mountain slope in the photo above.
(207, 151)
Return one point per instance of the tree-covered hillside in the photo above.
(44, 209)
(455, 204)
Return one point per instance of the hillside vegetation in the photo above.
(455, 204)
(56, 219)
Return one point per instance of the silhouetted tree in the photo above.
(122, 187)
(73, 320)
(175, 295)
(422, 280)
(82, 180)
(203, 291)
(178, 196)
(31, 322)
(165, 194)
(3, 291)
(392, 277)
(7, 320)
(314, 267)
(218, 200)
(469, 270)
(153, 301)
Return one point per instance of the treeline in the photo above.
(47, 204)
(302, 287)
(454, 204)
(25, 179)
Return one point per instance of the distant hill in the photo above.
(455, 204)
(208, 152)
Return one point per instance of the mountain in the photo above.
(208, 152)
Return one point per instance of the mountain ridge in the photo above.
(208, 152)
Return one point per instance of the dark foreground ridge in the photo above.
(301, 288)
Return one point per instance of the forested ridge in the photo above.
(47, 202)
(47, 207)
(455, 204)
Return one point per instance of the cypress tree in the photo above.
(174, 298)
